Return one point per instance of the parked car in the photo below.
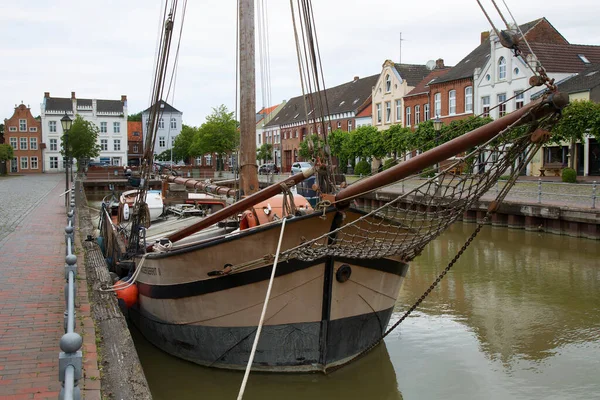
(98, 164)
(268, 169)
(300, 166)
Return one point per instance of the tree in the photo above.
(219, 134)
(265, 152)
(311, 147)
(578, 119)
(82, 140)
(6, 153)
(135, 117)
(183, 143)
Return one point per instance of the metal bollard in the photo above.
(594, 187)
(539, 190)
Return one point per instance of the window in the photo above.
(173, 123)
(378, 113)
(13, 143)
(103, 128)
(33, 144)
(502, 68)
(485, 106)
(417, 115)
(296, 133)
(13, 164)
(23, 125)
(161, 123)
(161, 141)
(388, 83)
(388, 112)
(33, 129)
(172, 141)
(208, 160)
(135, 148)
(259, 136)
(339, 125)
(12, 129)
(34, 163)
(117, 145)
(53, 162)
(437, 104)
(349, 125)
(116, 127)
(24, 163)
(23, 143)
(501, 104)
(103, 144)
(398, 111)
(425, 112)
(452, 102)
(469, 99)
(519, 100)
(52, 126)
(407, 116)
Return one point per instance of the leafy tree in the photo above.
(311, 147)
(6, 153)
(82, 140)
(135, 117)
(184, 141)
(219, 134)
(265, 152)
(578, 118)
(166, 156)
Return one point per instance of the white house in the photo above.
(110, 116)
(169, 126)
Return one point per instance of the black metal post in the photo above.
(67, 168)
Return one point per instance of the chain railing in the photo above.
(70, 358)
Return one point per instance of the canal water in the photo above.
(518, 317)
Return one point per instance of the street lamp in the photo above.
(66, 123)
(437, 126)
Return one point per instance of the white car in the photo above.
(300, 166)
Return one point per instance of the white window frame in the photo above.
(388, 112)
(12, 128)
(173, 123)
(22, 125)
(33, 163)
(485, 106)
(116, 145)
(469, 99)
(14, 143)
(501, 107)
(53, 162)
(501, 68)
(437, 101)
(116, 127)
(52, 126)
(161, 123)
(349, 125)
(452, 102)
(54, 145)
(398, 111)
(378, 107)
(388, 83)
(425, 112)
(136, 148)
(24, 163)
(417, 115)
(32, 129)
(162, 141)
(103, 144)
(104, 127)
(407, 116)
(519, 99)
(22, 143)
(33, 143)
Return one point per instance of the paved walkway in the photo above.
(32, 258)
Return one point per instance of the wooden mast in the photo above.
(248, 167)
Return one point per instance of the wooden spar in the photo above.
(206, 187)
(239, 206)
(553, 103)
(248, 167)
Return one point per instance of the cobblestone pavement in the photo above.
(32, 259)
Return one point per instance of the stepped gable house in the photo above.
(343, 103)
(109, 115)
(24, 133)
(393, 83)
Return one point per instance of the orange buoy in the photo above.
(129, 295)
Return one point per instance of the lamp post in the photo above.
(437, 126)
(66, 126)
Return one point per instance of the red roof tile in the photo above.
(564, 57)
(422, 87)
(134, 126)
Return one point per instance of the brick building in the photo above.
(418, 102)
(135, 144)
(342, 105)
(24, 133)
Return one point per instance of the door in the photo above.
(14, 165)
(594, 157)
(287, 158)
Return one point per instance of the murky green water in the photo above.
(518, 317)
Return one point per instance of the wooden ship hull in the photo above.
(321, 312)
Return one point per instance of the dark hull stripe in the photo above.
(282, 348)
(211, 285)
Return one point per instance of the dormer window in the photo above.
(502, 68)
(583, 58)
(388, 83)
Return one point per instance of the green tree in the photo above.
(311, 147)
(82, 140)
(6, 153)
(135, 117)
(578, 118)
(265, 152)
(182, 147)
(219, 134)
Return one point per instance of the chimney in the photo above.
(46, 95)
(123, 98)
(356, 78)
(439, 63)
(484, 36)
(73, 95)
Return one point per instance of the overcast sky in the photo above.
(104, 49)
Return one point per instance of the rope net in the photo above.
(424, 208)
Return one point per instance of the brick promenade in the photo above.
(32, 259)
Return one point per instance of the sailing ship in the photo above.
(202, 287)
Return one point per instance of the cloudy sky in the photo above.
(104, 49)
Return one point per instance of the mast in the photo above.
(248, 167)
